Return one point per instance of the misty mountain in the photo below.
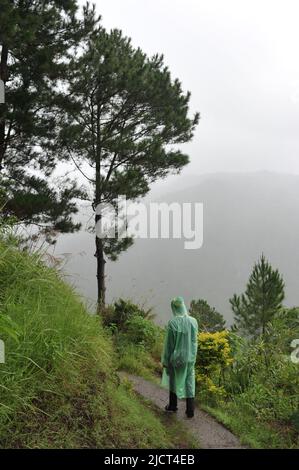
(245, 215)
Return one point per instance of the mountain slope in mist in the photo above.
(244, 215)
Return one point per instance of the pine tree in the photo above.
(261, 301)
(124, 120)
(37, 40)
(207, 317)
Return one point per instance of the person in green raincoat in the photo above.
(179, 356)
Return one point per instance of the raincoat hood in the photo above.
(178, 306)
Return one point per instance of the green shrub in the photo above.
(248, 358)
(141, 331)
(139, 348)
(121, 311)
(135, 360)
(137, 339)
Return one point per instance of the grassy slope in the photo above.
(253, 432)
(138, 362)
(59, 386)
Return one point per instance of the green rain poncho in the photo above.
(179, 353)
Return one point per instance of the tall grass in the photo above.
(58, 386)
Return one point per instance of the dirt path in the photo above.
(207, 431)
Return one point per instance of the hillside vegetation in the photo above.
(59, 386)
(249, 383)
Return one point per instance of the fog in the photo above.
(245, 215)
(239, 60)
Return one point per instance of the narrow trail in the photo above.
(206, 430)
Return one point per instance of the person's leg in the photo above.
(190, 391)
(190, 407)
(173, 400)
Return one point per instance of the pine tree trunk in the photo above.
(101, 288)
(3, 76)
(98, 198)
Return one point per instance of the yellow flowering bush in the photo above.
(213, 349)
(214, 355)
(207, 386)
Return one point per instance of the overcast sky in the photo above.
(240, 61)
